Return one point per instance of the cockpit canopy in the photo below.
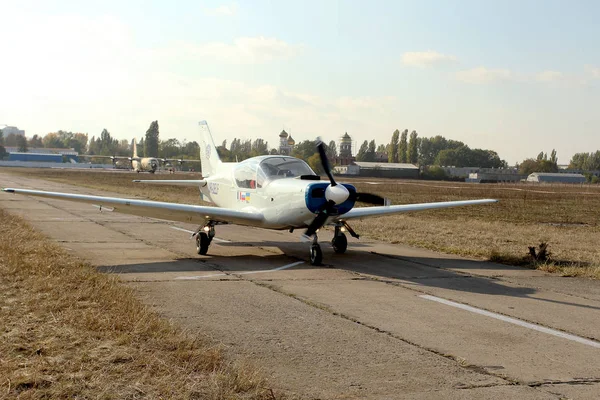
(256, 173)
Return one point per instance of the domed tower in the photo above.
(284, 146)
(291, 141)
(345, 154)
(346, 146)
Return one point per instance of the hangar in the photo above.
(41, 154)
(547, 177)
(387, 170)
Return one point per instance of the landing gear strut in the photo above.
(204, 236)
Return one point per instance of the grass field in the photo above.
(71, 332)
(567, 217)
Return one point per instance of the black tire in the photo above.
(316, 255)
(202, 243)
(339, 243)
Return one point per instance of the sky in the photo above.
(517, 77)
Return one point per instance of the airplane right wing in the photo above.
(154, 209)
(362, 212)
(111, 157)
(180, 160)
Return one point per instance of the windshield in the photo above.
(281, 167)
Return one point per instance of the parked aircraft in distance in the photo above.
(142, 164)
(271, 192)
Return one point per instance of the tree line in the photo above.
(104, 144)
(402, 148)
(436, 150)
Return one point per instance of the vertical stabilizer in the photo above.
(208, 151)
(134, 145)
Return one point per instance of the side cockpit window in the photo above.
(281, 167)
(245, 175)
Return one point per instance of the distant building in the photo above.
(495, 175)
(547, 177)
(459, 172)
(381, 157)
(37, 153)
(26, 157)
(286, 143)
(45, 150)
(349, 169)
(12, 129)
(484, 175)
(345, 151)
(379, 170)
(583, 172)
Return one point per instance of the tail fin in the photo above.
(208, 151)
(134, 145)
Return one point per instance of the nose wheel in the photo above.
(316, 255)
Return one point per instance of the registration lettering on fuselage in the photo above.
(213, 187)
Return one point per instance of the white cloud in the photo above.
(482, 75)
(549, 76)
(244, 50)
(427, 58)
(224, 10)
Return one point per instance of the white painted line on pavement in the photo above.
(515, 321)
(181, 229)
(191, 278)
(192, 232)
(271, 270)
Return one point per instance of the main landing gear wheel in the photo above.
(202, 243)
(316, 255)
(339, 243)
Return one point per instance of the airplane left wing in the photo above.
(362, 212)
(154, 209)
(174, 182)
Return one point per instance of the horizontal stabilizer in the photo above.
(173, 182)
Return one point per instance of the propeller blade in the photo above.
(325, 162)
(370, 199)
(320, 219)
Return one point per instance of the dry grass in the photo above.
(565, 216)
(71, 332)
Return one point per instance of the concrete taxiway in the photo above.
(381, 321)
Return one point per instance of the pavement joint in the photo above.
(581, 381)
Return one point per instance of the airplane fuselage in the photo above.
(284, 203)
(145, 164)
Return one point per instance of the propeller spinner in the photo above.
(336, 194)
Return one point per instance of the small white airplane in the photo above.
(142, 164)
(271, 192)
